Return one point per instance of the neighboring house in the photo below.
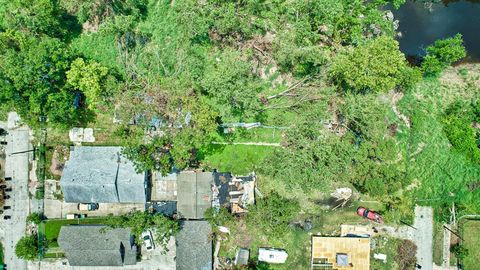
(235, 193)
(101, 175)
(340, 253)
(97, 245)
(194, 194)
(194, 246)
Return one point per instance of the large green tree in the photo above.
(375, 66)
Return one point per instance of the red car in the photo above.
(372, 215)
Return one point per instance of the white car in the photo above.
(148, 240)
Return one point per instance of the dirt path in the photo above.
(249, 143)
(396, 97)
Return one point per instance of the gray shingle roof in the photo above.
(101, 175)
(194, 246)
(97, 245)
(194, 194)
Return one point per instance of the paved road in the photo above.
(16, 167)
(423, 236)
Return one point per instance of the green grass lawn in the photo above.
(471, 236)
(51, 228)
(237, 159)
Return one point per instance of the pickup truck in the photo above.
(87, 206)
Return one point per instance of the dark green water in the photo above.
(421, 24)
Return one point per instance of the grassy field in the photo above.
(51, 228)
(440, 174)
(471, 236)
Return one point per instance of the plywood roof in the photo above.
(357, 250)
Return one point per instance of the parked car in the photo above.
(87, 206)
(148, 240)
(369, 214)
(7, 217)
(6, 197)
(8, 189)
(8, 178)
(5, 207)
(3, 186)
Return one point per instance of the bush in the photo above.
(442, 54)
(35, 218)
(406, 257)
(27, 247)
(461, 135)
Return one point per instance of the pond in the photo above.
(422, 23)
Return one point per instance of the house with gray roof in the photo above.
(194, 246)
(101, 175)
(194, 194)
(97, 245)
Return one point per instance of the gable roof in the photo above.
(194, 246)
(194, 193)
(101, 175)
(97, 245)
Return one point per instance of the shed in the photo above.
(272, 255)
(242, 257)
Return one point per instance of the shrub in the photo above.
(27, 247)
(442, 54)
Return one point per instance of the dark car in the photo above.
(8, 189)
(8, 178)
(7, 197)
(3, 186)
(5, 207)
(7, 217)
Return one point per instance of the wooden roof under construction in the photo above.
(325, 251)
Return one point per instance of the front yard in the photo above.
(51, 228)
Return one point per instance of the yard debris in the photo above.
(79, 135)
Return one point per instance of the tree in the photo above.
(162, 227)
(375, 66)
(35, 218)
(27, 247)
(35, 16)
(273, 214)
(89, 78)
(32, 70)
(228, 80)
(442, 54)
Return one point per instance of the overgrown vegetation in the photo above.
(337, 101)
(27, 247)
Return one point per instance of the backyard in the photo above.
(471, 242)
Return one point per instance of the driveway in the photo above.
(59, 209)
(16, 166)
(423, 236)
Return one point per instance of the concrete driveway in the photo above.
(423, 236)
(16, 166)
(59, 209)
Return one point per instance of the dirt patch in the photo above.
(59, 157)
